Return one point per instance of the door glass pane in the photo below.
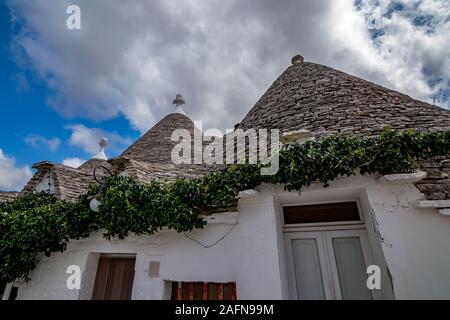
(351, 268)
(308, 274)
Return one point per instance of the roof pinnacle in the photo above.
(179, 100)
(101, 154)
(297, 59)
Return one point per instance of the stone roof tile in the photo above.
(156, 145)
(7, 195)
(69, 183)
(144, 171)
(327, 101)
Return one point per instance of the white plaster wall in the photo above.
(415, 247)
(376, 243)
(416, 242)
(46, 184)
(88, 276)
(247, 256)
(282, 259)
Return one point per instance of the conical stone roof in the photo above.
(327, 101)
(156, 145)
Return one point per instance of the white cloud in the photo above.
(88, 138)
(12, 177)
(131, 57)
(73, 162)
(408, 57)
(36, 141)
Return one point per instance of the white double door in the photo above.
(328, 264)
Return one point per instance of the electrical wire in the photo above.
(217, 241)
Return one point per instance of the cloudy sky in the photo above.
(61, 90)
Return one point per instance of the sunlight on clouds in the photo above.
(88, 138)
(12, 177)
(37, 141)
(73, 162)
(132, 57)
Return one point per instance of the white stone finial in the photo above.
(178, 102)
(101, 154)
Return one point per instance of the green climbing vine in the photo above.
(38, 224)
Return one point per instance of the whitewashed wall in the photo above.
(413, 244)
(416, 242)
(247, 256)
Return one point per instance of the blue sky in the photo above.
(62, 90)
(25, 112)
(30, 130)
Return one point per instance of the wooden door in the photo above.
(114, 279)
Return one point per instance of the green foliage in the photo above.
(330, 157)
(38, 223)
(128, 206)
(34, 224)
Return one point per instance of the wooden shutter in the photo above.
(114, 279)
(203, 291)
